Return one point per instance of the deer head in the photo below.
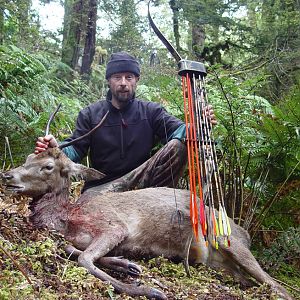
(49, 171)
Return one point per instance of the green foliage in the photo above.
(283, 254)
(163, 88)
(254, 138)
(30, 91)
(18, 24)
(52, 276)
(203, 282)
(284, 213)
(126, 36)
(276, 51)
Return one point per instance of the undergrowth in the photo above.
(282, 258)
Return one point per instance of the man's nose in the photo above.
(123, 80)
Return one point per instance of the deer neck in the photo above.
(51, 211)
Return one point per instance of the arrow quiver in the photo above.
(204, 177)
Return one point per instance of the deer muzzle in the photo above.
(10, 184)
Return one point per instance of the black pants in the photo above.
(164, 168)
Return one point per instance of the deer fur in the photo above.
(101, 227)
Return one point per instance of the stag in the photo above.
(104, 227)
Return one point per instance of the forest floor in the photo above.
(33, 265)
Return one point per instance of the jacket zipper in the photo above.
(123, 124)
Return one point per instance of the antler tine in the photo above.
(85, 135)
(51, 119)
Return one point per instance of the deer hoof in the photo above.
(156, 294)
(133, 269)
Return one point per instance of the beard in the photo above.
(123, 95)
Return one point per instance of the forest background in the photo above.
(252, 53)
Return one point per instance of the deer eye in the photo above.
(47, 167)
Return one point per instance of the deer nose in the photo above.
(6, 176)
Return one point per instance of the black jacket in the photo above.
(125, 139)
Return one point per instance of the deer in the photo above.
(106, 229)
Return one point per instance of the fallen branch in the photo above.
(16, 264)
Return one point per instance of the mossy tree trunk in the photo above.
(1, 24)
(198, 40)
(79, 34)
(90, 38)
(72, 32)
(22, 13)
(175, 9)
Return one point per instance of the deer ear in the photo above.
(85, 173)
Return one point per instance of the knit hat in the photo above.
(122, 62)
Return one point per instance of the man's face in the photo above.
(123, 86)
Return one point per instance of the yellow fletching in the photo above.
(220, 222)
(225, 242)
(217, 226)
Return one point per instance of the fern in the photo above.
(30, 91)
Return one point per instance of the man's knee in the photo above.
(177, 146)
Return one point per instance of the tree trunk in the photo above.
(68, 4)
(23, 7)
(90, 38)
(1, 24)
(175, 10)
(198, 40)
(72, 32)
(79, 34)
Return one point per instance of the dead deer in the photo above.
(104, 227)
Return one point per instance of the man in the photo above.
(121, 147)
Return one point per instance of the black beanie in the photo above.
(122, 62)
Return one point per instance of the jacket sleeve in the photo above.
(179, 133)
(79, 150)
(164, 124)
(72, 153)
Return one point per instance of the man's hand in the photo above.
(43, 143)
(209, 112)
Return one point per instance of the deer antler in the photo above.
(85, 135)
(77, 139)
(51, 119)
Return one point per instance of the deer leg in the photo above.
(96, 250)
(72, 251)
(243, 257)
(113, 263)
